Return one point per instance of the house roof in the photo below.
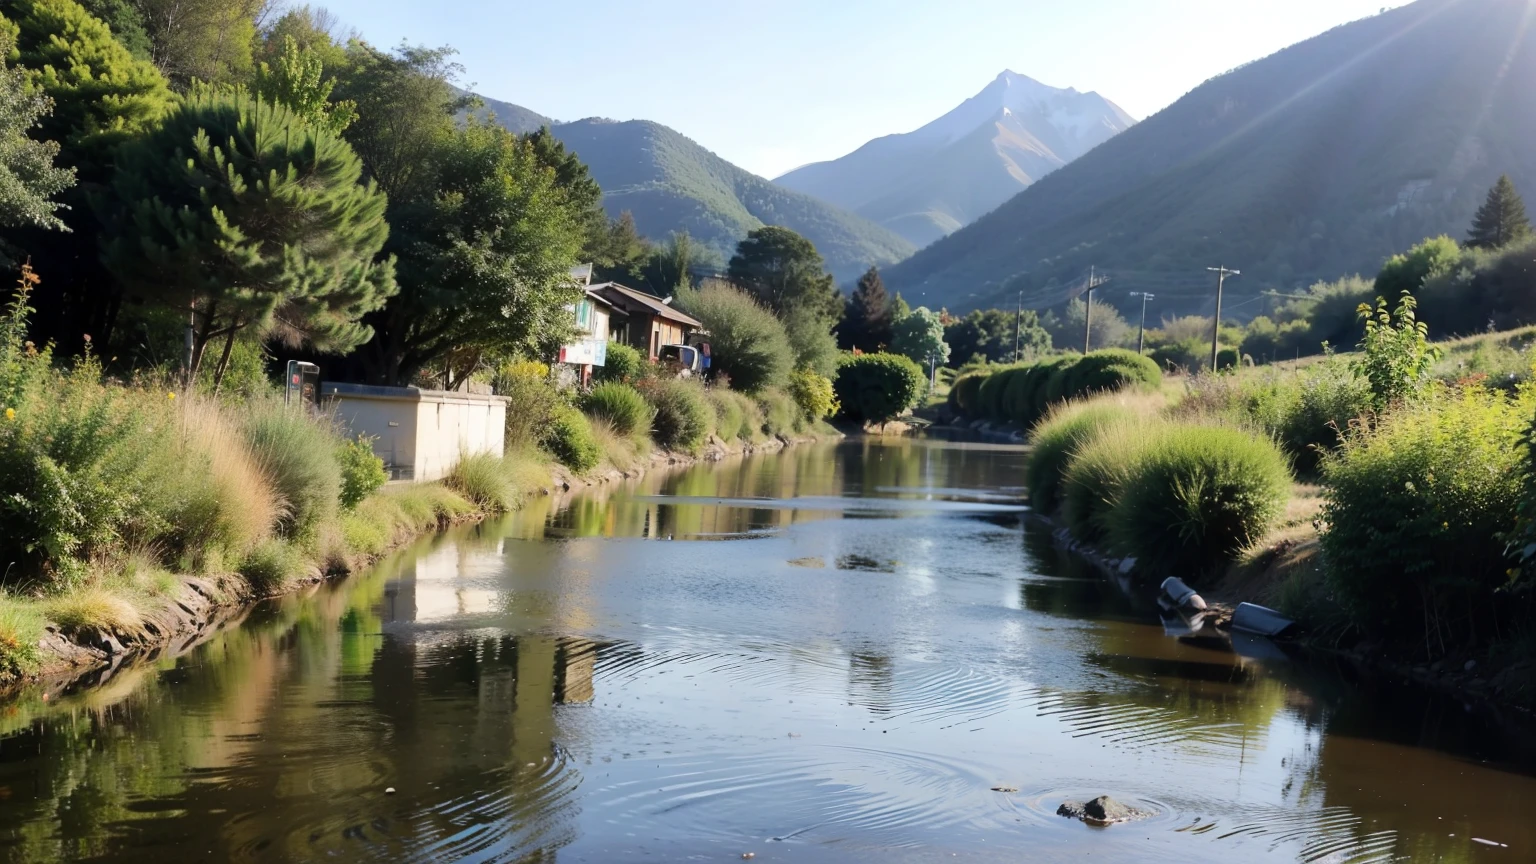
(593, 295)
(629, 299)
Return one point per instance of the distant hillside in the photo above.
(515, 118)
(672, 184)
(1317, 161)
(930, 182)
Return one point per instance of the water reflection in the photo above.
(887, 643)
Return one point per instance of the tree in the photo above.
(1501, 220)
(406, 104)
(585, 194)
(484, 262)
(316, 30)
(28, 177)
(296, 81)
(126, 21)
(990, 334)
(1410, 270)
(1109, 328)
(618, 253)
(866, 322)
(201, 40)
(784, 271)
(919, 336)
(253, 221)
(748, 343)
(101, 95)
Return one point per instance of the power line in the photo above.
(1222, 273)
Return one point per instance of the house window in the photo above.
(655, 343)
(584, 314)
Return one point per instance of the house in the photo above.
(420, 434)
(594, 318)
(645, 321)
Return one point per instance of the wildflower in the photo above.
(171, 396)
(10, 413)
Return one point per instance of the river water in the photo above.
(838, 653)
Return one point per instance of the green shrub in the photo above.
(1096, 474)
(1109, 370)
(684, 416)
(1054, 442)
(989, 394)
(298, 454)
(747, 342)
(622, 406)
(1050, 374)
(1415, 515)
(813, 394)
(362, 473)
(964, 393)
(876, 388)
(570, 440)
(1197, 496)
(1015, 389)
(781, 416)
(623, 365)
(737, 416)
(532, 401)
(272, 566)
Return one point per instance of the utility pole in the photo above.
(1018, 325)
(1221, 277)
(1093, 282)
(1141, 332)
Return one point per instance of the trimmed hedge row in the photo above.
(1024, 394)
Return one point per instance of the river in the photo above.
(838, 653)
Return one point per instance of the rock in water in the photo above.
(1102, 810)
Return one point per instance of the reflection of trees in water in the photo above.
(871, 679)
(277, 739)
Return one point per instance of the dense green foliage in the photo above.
(1395, 354)
(362, 473)
(527, 386)
(1023, 393)
(1055, 441)
(876, 388)
(568, 438)
(684, 417)
(624, 364)
(28, 178)
(737, 416)
(749, 344)
(813, 394)
(676, 185)
(781, 415)
(1417, 510)
(238, 210)
(992, 334)
(1197, 496)
(919, 336)
(1240, 170)
(965, 392)
(299, 456)
(621, 406)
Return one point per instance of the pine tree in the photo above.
(240, 212)
(1501, 220)
(867, 323)
(28, 177)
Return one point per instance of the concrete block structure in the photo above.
(420, 434)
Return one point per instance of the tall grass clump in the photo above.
(1417, 511)
(1056, 440)
(272, 567)
(737, 416)
(1096, 474)
(484, 480)
(781, 416)
(621, 406)
(748, 342)
(298, 454)
(381, 521)
(1197, 496)
(569, 438)
(684, 417)
(217, 500)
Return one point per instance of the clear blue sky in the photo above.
(773, 85)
